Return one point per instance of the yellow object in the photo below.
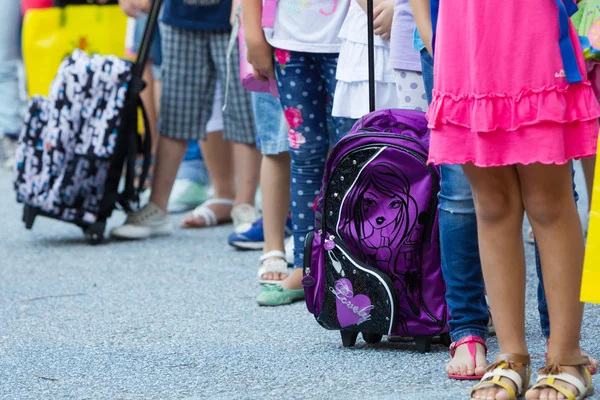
(51, 34)
(590, 290)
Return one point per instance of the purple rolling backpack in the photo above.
(373, 263)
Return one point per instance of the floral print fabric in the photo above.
(68, 139)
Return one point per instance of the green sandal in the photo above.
(277, 295)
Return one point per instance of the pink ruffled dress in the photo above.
(500, 94)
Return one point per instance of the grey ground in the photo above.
(175, 318)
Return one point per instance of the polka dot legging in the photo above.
(306, 88)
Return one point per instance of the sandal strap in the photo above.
(222, 202)
(564, 377)
(568, 361)
(492, 378)
(504, 367)
(272, 254)
(210, 218)
(272, 267)
(471, 342)
(513, 358)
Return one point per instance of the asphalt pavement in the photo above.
(176, 318)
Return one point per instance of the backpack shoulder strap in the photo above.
(566, 8)
(268, 13)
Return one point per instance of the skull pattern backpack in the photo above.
(75, 144)
(373, 264)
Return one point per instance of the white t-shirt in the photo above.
(310, 26)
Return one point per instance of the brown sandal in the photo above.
(505, 366)
(553, 372)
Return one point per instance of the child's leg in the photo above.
(148, 99)
(461, 265)
(188, 79)
(589, 166)
(303, 96)
(499, 207)
(461, 268)
(239, 124)
(274, 175)
(548, 198)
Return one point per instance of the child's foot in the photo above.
(593, 365)
(211, 213)
(513, 375)
(468, 359)
(273, 267)
(243, 216)
(290, 290)
(559, 382)
(186, 195)
(144, 223)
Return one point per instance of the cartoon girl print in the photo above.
(379, 224)
(376, 215)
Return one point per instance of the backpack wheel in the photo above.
(372, 338)
(349, 338)
(445, 339)
(95, 232)
(29, 214)
(423, 344)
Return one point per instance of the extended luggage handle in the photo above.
(144, 51)
(371, 51)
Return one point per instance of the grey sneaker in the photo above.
(144, 223)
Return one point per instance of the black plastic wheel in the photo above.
(423, 344)
(95, 233)
(372, 338)
(445, 339)
(349, 338)
(29, 214)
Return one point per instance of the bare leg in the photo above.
(149, 101)
(275, 183)
(217, 154)
(589, 166)
(548, 198)
(499, 208)
(169, 154)
(247, 159)
(157, 94)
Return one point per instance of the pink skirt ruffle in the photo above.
(545, 142)
(510, 112)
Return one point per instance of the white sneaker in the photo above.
(289, 250)
(9, 148)
(144, 223)
(243, 217)
(186, 195)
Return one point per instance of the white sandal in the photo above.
(209, 216)
(505, 366)
(553, 373)
(278, 265)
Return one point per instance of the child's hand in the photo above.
(132, 7)
(384, 15)
(260, 55)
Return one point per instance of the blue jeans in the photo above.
(192, 168)
(306, 86)
(271, 128)
(461, 266)
(10, 100)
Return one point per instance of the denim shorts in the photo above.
(271, 128)
(155, 49)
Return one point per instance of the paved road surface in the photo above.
(175, 318)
